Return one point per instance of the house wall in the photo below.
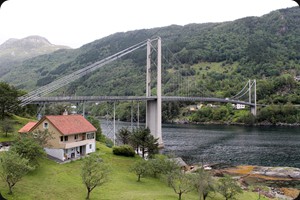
(55, 141)
(92, 149)
(58, 149)
(57, 153)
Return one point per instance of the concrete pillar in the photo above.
(148, 70)
(83, 109)
(253, 110)
(153, 108)
(159, 93)
(152, 120)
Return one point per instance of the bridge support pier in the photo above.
(153, 108)
(153, 120)
(253, 110)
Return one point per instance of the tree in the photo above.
(180, 182)
(161, 165)
(203, 183)
(96, 123)
(228, 187)
(9, 102)
(140, 168)
(7, 127)
(13, 168)
(28, 148)
(142, 139)
(94, 173)
(124, 135)
(41, 137)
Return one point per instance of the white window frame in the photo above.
(90, 136)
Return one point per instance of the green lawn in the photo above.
(63, 181)
(17, 122)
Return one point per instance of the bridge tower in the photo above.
(153, 107)
(252, 84)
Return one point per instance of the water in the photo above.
(237, 145)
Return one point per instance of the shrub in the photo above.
(124, 150)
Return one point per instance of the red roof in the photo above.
(69, 124)
(27, 127)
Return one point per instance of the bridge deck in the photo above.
(78, 99)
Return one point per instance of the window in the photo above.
(76, 137)
(90, 136)
(61, 138)
(45, 125)
(66, 138)
(90, 146)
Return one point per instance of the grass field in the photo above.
(63, 181)
(53, 181)
(17, 122)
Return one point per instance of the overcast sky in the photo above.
(77, 22)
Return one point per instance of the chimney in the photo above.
(65, 112)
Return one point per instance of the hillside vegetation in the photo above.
(211, 59)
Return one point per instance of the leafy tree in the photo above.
(41, 137)
(9, 102)
(7, 127)
(204, 183)
(13, 168)
(96, 123)
(140, 168)
(180, 182)
(94, 173)
(124, 135)
(56, 109)
(228, 187)
(28, 148)
(161, 165)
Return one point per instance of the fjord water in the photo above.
(236, 145)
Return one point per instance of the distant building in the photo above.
(297, 78)
(212, 105)
(72, 135)
(199, 106)
(239, 106)
(193, 108)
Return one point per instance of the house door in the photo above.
(82, 150)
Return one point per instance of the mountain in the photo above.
(14, 51)
(204, 59)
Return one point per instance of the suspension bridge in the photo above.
(153, 102)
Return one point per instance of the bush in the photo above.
(108, 142)
(124, 150)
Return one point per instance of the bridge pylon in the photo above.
(252, 83)
(154, 107)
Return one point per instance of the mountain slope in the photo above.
(14, 51)
(220, 56)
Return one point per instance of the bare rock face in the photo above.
(282, 172)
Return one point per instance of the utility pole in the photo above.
(255, 105)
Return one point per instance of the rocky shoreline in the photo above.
(282, 182)
(234, 123)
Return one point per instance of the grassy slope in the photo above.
(63, 181)
(18, 122)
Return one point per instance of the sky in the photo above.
(76, 22)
